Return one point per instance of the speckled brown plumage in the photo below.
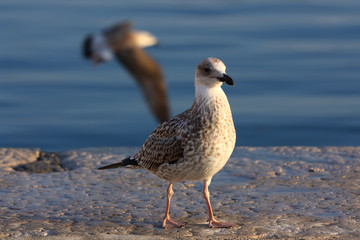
(195, 144)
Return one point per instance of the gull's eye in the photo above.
(207, 70)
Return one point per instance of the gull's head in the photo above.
(96, 48)
(211, 73)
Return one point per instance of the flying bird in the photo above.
(127, 46)
(195, 144)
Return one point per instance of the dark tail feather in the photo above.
(125, 162)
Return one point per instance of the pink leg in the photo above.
(212, 222)
(168, 222)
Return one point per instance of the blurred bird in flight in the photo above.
(127, 46)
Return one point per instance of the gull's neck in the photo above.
(205, 95)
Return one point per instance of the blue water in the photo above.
(296, 66)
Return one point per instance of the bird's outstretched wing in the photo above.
(148, 75)
(145, 70)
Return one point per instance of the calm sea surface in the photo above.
(296, 66)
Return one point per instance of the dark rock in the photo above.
(47, 162)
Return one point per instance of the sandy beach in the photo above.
(270, 192)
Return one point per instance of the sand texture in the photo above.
(271, 192)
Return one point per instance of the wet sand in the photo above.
(271, 192)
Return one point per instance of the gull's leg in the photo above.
(212, 222)
(168, 222)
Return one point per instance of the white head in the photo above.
(211, 73)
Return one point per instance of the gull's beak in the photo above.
(87, 51)
(226, 79)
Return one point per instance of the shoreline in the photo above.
(271, 192)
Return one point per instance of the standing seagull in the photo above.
(195, 144)
(126, 44)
